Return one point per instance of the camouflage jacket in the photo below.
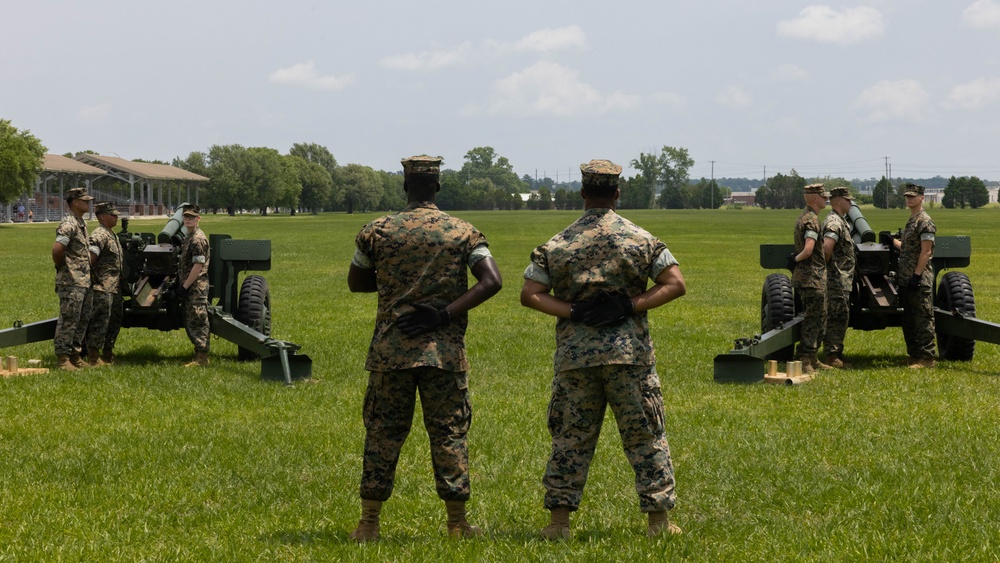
(421, 255)
(195, 250)
(811, 272)
(75, 272)
(840, 268)
(918, 229)
(600, 251)
(107, 269)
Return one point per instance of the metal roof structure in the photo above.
(150, 178)
(57, 164)
(122, 168)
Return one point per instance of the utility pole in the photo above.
(887, 181)
(711, 187)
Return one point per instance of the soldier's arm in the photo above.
(807, 250)
(669, 285)
(828, 244)
(926, 246)
(58, 254)
(535, 295)
(488, 283)
(196, 269)
(361, 280)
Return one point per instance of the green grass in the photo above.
(148, 461)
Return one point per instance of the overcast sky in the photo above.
(825, 88)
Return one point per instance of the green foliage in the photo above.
(885, 197)
(21, 159)
(782, 192)
(316, 182)
(362, 188)
(965, 191)
(486, 163)
(668, 171)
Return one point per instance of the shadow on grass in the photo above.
(863, 362)
(307, 537)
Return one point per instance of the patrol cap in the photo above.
(105, 207)
(841, 191)
(422, 164)
(600, 173)
(815, 189)
(913, 189)
(78, 193)
(192, 211)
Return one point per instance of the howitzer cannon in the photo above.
(241, 315)
(874, 302)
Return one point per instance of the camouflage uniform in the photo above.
(612, 365)
(106, 318)
(809, 281)
(839, 281)
(420, 256)
(195, 250)
(73, 286)
(918, 319)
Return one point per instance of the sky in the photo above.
(750, 89)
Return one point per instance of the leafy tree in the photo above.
(711, 195)
(21, 158)
(635, 192)
(228, 167)
(782, 192)
(393, 196)
(484, 162)
(544, 198)
(648, 166)
(362, 187)
(312, 152)
(965, 192)
(668, 170)
(674, 166)
(316, 183)
(275, 182)
(884, 196)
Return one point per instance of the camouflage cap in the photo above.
(192, 211)
(78, 193)
(105, 207)
(815, 189)
(600, 173)
(841, 191)
(422, 164)
(913, 189)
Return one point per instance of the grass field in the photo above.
(148, 461)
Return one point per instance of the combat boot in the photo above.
(458, 526)
(807, 366)
(108, 357)
(94, 359)
(659, 525)
(920, 363)
(558, 528)
(835, 362)
(63, 362)
(816, 364)
(78, 362)
(200, 360)
(367, 530)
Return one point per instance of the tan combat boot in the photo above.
(807, 366)
(834, 361)
(816, 364)
(458, 526)
(920, 363)
(108, 357)
(558, 528)
(78, 362)
(94, 359)
(659, 525)
(63, 362)
(367, 530)
(200, 360)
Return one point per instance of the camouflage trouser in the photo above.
(388, 414)
(105, 321)
(918, 322)
(576, 412)
(837, 318)
(74, 315)
(811, 329)
(196, 323)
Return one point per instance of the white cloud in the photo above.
(549, 89)
(982, 14)
(734, 97)
(974, 95)
(826, 25)
(304, 75)
(900, 100)
(790, 73)
(96, 113)
(571, 38)
(671, 99)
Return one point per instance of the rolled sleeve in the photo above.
(535, 273)
(478, 253)
(662, 262)
(361, 260)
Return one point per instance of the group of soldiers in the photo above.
(823, 267)
(592, 277)
(89, 284)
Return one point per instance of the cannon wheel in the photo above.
(254, 310)
(954, 293)
(777, 306)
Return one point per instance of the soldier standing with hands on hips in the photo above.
(72, 259)
(192, 287)
(106, 320)
(916, 249)
(809, 277)
(592, 276)
(417, 261)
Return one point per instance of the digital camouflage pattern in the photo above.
(421, 256)
(107, 269)
(812, 271)
(105, 321)
(600, 173)
(576, 412)
(601, 251)
(839, 280)
(918, 320)
(838, 311)
(73, 286)
(195, 250)
(388, 414)
(814, 320)
(72, 234)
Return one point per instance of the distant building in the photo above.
(748, 199)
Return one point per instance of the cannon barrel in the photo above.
(861, 231)
(173, 226)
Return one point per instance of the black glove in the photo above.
(181, 292)
(581, 309)
(424, 319)
(791, 263)
(607, 310)
(914, 283)
(885, 237)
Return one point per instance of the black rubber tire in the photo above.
(954, 293)
(254, 310)
(777, 306)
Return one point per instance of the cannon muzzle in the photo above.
(174, 228)
(861, 231)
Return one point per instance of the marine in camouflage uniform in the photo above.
(73, 282)
(916, 249)
(417, 262)
(106, 317)
(193, 285)
(809, 278)
(838, 249)
(593, 277)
